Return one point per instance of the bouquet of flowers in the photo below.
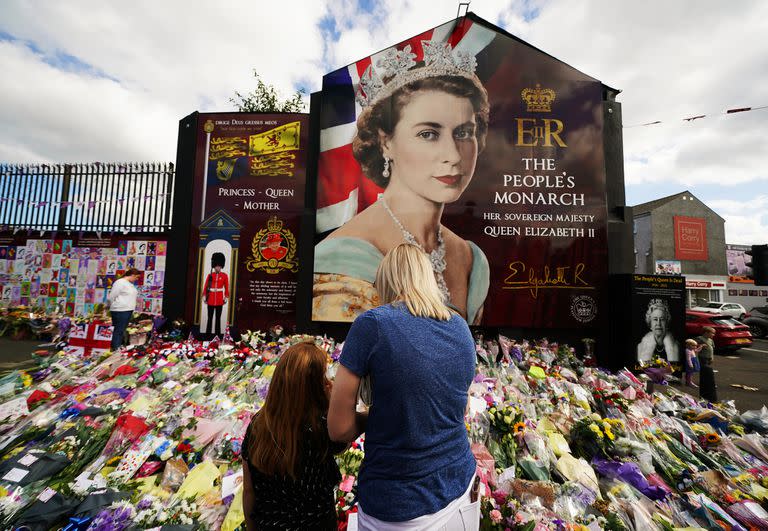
(152, 512)
(505, 421)
(498, 513)
(349, 462)
(657, 369)
(595, 436)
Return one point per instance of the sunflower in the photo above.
(518, 428)
(712, 438)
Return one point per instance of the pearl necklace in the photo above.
(436, 257)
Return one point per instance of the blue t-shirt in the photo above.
(417, 454)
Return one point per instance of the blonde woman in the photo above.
(420, 358)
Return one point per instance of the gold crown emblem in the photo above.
(274, 224)
(538, 99)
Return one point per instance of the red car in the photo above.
(730, 334)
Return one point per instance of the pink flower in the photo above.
(496, 516)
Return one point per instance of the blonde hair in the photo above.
(691, 342)
(406, 275)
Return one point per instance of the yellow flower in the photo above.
(609, 433)
(519, 428)
(736, 428)
(713, 438)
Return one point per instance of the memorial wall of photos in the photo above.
(73, 276)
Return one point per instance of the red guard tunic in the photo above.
(278, 254)
(216, 288)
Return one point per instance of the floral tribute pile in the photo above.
(22, 322)
(563, 446)
(150, 437)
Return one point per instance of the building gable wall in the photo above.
(662, 227)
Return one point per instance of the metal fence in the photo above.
(133, 196)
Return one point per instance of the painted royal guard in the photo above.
(216, 292)
(274, 247)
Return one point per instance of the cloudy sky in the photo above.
(108, 81)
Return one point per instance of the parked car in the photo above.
(729, 308)
(730, 334)
(757, 321)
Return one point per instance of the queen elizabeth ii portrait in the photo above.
(659, 341)
(418, 137)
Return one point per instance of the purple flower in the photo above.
(112, 520)
(262, 390)
(144, 504)
(118, 390)
(657, 375)
(41, 375)
(64, 325)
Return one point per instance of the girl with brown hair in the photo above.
(288, 464)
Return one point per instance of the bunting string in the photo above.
(80, 204)
(700, 116)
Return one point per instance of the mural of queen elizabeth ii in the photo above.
(418, 137)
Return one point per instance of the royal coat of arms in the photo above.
(273, 249)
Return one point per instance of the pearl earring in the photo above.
(385, 172)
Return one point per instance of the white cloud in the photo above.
(82, 119)
(673, 60)
(163, 60)
(745, 221)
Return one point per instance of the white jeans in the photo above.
(462, 514)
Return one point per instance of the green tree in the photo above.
(266, 99)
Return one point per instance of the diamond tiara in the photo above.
(399, 67)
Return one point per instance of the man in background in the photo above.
(707, 385)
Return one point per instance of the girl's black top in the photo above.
(304, 503)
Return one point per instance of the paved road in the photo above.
(16, 353)
(746, 366)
